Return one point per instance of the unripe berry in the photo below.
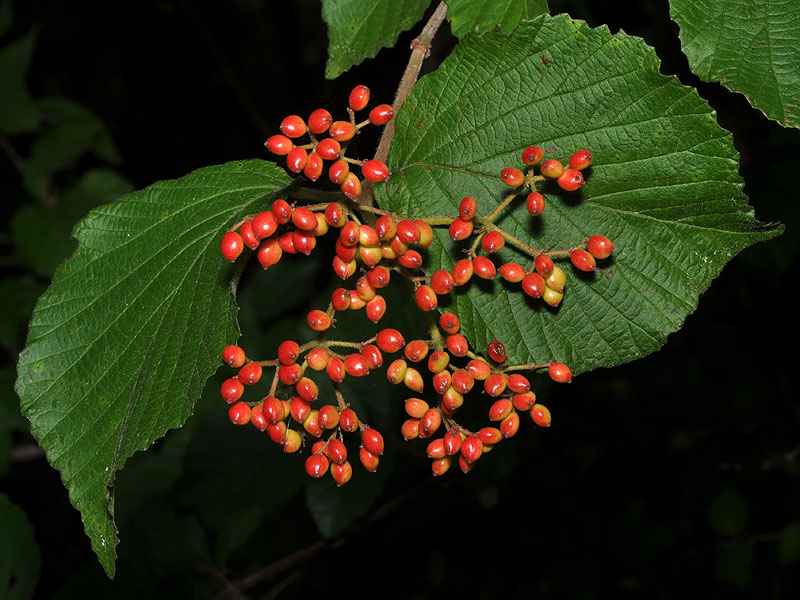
(297, 159)
(416, 407)
(426, 298)
(372, 440)
(552, 168)
(583, 261)
(557, 279)
(293, 126)
(599, 246)
(442, 282)
(231, 390)
(279, 144)
(416, 350)
(478, 369)
(430, 422)
(233, 356)
(381, 114)
(231, 245)
(512, 177)
(348, 420)
(436, 449)
(541, 415)
(311, 424)
(319, 121)
(438, 361)
(484, 268)
(552, 297)
(559, 372)
(468, 208)
(390, 340)
(532, 155)
(533, 284)
(322, 225)
(510, 425)
(338, 171)
(359, 97)
(342, 131)
(413, 380)
(496, 351)
(500, 409)
(328, 417)
(449, 323)
(425, 233)
(460, 229)
(441, 380)
(239, 413)
(440, 466)
(544, 265)
(341, 473)
(464, 465)
(490, 436)
(343, 269)
(386, 227)
(493, 241)
(452, 400)
(269, 253)
(375, 171)
(250, 374)
(317, 465)
(291, 441)
(329, 149)
(319, 320)
(580, 159)
(364, 289)
(535, 204)
(396, 371)
(570, 180)
(512, 272)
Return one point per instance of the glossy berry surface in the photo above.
(552, 168)
(570, 180)
(599, 246)
(231, 245)
(580, 159)
(559, 372)
(532, 155)
(512, 177)
(582, 260)
(535, 204)
(359, 98)
(496, 351)
(381, 114)
(293, 126)
(319, 121)
(375, 170)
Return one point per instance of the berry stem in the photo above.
(527, 367)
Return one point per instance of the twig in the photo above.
(16, 159)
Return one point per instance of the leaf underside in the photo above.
(664, 186)
(122, 342)
(750, 46)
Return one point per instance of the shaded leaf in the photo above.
(468, 16)
(789, 545)
(664, 186)
(122, 342)
(734, 564)
(17, 111)
(358, 29)
(727, 514)
(19, 553)
(750, 46)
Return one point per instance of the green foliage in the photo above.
(17, 111)
(750, 46)
(468, 16)
(664, 185)
(358, 29)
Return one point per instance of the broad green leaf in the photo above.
(122, 342)
(664, 186)
(468, 16)
(19, 553)
(750, 46)
(17, 111)
(358, 29)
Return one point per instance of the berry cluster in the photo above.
(310, 158)
(376, 245)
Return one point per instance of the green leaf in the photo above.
(467, 16)
(727, 514)
(358, 29)
(17, 111)
(122, 342)
(750, 46)
(19, 553)
(664, 186)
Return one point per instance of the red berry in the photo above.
(293, 126)
(233, 356)
(442, 282)
(580, 159)
(290, 374)
(348, 420)
(342, 131)
(541, 415)
(463, 381)
(490, 436)
(341, 473)
(532, 155)
(239, 413)
(304, 219)
(273, 409)
(552, 168)
(471, 448)
(408, 232)
(340, 299)
(524, 401)
(599, 246)
(535, 204)
(231, 390)
(339, 171)
(368, 459)
(582, 260)
(386, 227)
(269, 253)
(307, 389)
(496, 351)
(493, 241)
(304, 241)
(449, 322)
(513, 272)
(544, 265)
(248, 235)
(344, 269)
(318, 320)
(460, 229)
(570, 180)
(484, 267)
(334, 215)
(372, 440)
(410, 259)
(426, 298)
(468, 208)
(349, 233)
(279, 144)
(257, 418)
(390, 340)
(336, 450)
(297, 159)
(495, 384)
(512, 177)
(379, 276)
(518, 383)
(463, 271)
(441, 380)
(319, 121)
(430, 422)
(478, 369)
(381, 114)
(231, 245)
(559, 372)
(416, 407)
(376, 308)
(457, 344)
(375, 170)
(416, 350)
(317, 358)
(359, 97)
(510, 425)
(317, 465)
(281, 211)
(355, 365)
(368, 236)
(372, 355)
(438, 361)
(500, 409)
(452, 442)
(351, 187)
(533, 284)
(436, 449)
(410, 429)
(328, 417)
(250, 373)
(329, 149)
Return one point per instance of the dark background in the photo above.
(675, 475)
